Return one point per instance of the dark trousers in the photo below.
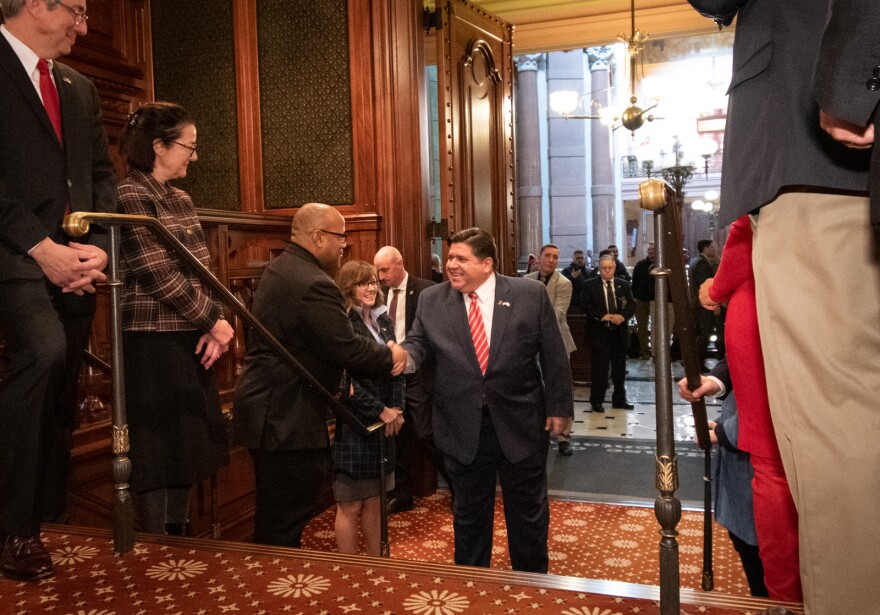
(288, 493)
(416, 437)
(526, 507)
(707, 324)
(44, 341)
(607, 349)
(751, 563)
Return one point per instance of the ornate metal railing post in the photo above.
(667, 508)
(123, 526)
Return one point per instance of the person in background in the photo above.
(53, 159)
(701, 268)
(609, 304)
(620, 270)
(173, 330)
(643, 291)
(559, 290)
(577, 273)
(436, 269)
(531, 264)
(417, 434)
(356, 485)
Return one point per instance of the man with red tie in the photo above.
(53, 159)
(502, 383)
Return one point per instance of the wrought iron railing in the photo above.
(76, 225)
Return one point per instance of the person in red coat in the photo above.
(776, 517)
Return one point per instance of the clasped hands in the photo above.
(614, 319)
(393, 419)
(215, 342)
(76, 267)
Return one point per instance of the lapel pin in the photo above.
(504, 303)
(67, 80)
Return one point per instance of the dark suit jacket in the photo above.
(848, 58)
(527, 378)
(700, 270)
(275, 409)
(773, 140)
(355, 454)
(594, 306)
(38, 177)
(414, 286)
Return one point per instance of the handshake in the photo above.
(400, 358)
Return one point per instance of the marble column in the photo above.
(529, 191)
(568, 158)
(602, 172)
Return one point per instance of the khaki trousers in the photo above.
(817, 282)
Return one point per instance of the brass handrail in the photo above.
(78, 224)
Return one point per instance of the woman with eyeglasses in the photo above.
(371, 399)
(173, 330)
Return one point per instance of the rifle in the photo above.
(655, 194)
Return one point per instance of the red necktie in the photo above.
(392, 309)
(50, 97)
(478, 332)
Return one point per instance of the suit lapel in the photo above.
(411, 298)
(500, 316)
(457, 315)
(12, 65)
(67, 102)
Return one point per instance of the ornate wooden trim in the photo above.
(247, 74)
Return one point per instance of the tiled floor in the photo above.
(640, 423)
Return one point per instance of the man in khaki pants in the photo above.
(819, 321)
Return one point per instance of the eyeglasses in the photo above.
(79, 15)
(342, 236)
(191, 148)
(368, 284)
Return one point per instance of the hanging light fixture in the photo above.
(633, 117)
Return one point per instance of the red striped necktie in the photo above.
(478, 332)
(50, 97)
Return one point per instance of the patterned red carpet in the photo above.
(593, 541)
(177, 576)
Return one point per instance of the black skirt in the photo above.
(176, 426)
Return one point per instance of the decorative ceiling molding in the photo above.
(552, 25)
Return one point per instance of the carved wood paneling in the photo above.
(475, 75)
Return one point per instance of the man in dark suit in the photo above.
(701, 268)
(609, 304)
(817, 319)
(277, 414)
(402, 292)
(503, 383)
(53, 157)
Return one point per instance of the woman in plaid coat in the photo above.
(372, 398)
(173, 329)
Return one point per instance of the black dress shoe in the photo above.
(24, 558)
(396, 505)
(597, 408)
(623, 406)
(565, 448)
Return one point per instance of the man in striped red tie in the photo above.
(502, 384)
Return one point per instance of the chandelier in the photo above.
(633, 117)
